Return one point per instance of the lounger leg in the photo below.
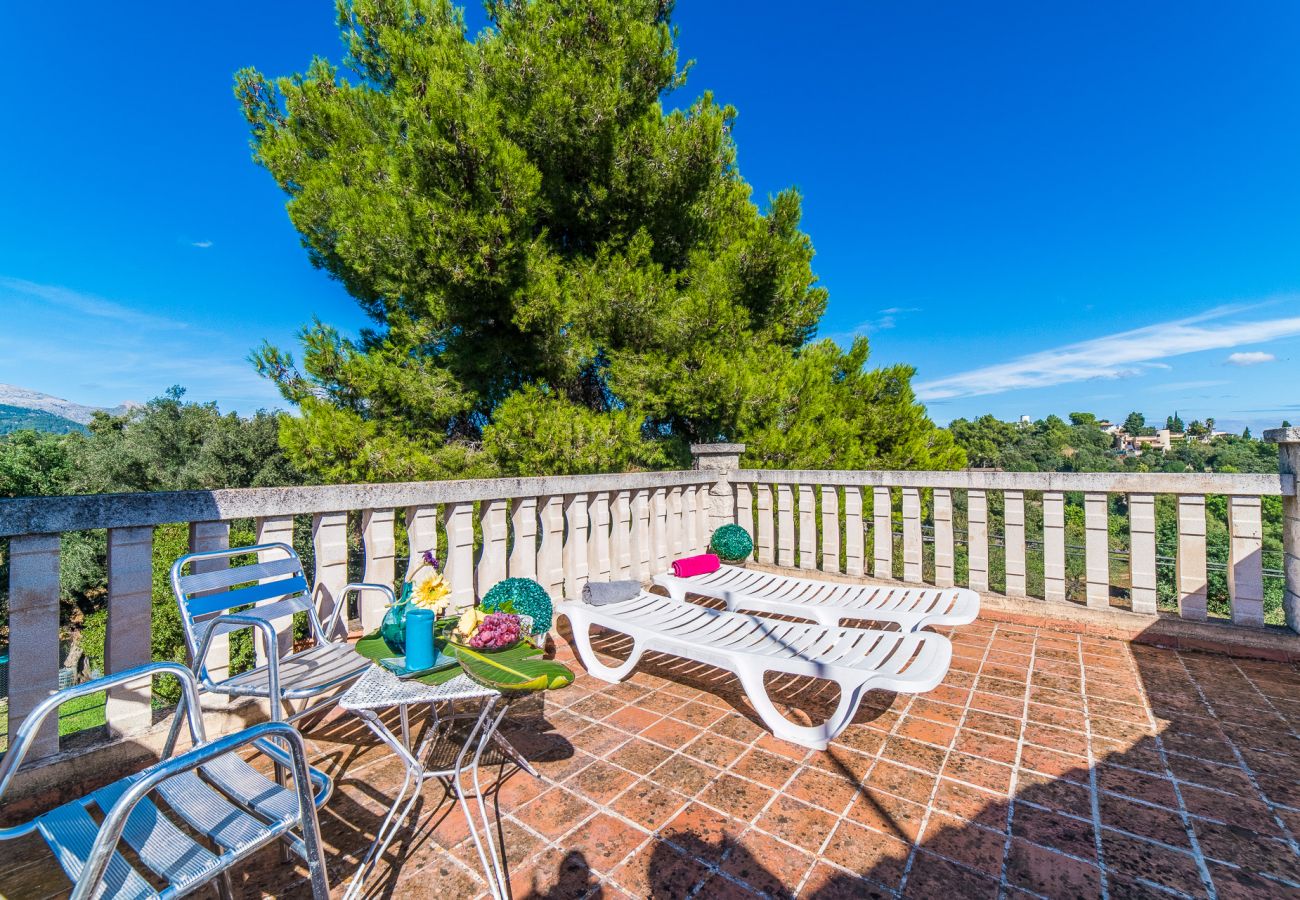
(815, 737)
(582, 637)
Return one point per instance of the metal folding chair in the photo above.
(209, 596)
(212, 789)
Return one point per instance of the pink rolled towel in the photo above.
(696, 565)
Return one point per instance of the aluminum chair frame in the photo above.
(210, 787)
(206, 600)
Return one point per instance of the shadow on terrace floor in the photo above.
(1046, 764)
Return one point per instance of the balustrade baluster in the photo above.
(659, 530)
(329, 534)
(766, 531)
(943, 546)
(550, 553)
(977, 539)
(807, 527)
(1246, 568)
(854, 536)
(458, 519)
(703, 520)
(34, 633)
(492, 559)
(598, 555)
(882, 516)
(1192, 587)
(1013, 536)
(690, 521)
(642, 551)
(381, 565)
(1054, 546)
(129, 629)
(270, 530)
(744, 512)
(1142, 553)
(676, 533)
(1096, 550)
(785, 525)
(577, 531)
(912, 552)
(830, 529)
(523, 525)
(621, 539)
(206, 536)
(421, 535)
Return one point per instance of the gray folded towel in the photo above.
(602, 593)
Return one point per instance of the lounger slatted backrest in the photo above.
(830, 603)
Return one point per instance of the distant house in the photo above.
(1134, 444)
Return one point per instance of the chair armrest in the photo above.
(295, 759)
(356, 588)
(250, 621)
(21, 742)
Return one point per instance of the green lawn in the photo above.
(75, 715)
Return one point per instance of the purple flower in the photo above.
(430, 559)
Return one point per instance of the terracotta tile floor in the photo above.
(1046, 764)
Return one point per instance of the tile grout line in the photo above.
(1015, 768)
(1250, 773)
(1201, 866)
(938, 777)
(1093, 797)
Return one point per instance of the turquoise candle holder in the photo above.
(420, 652)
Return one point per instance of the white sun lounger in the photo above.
(858, 660)
(829, 603)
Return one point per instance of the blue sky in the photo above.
(1041, 207)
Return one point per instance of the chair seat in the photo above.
(208, 805)
(303, 674)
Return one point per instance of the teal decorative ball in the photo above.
(524, 597)
(732, 543)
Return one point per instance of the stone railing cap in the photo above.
(1283, 435)
(719, 449)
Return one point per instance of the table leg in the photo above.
(392, 822)
(479, 737)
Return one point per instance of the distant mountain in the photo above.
(18, 418)
(24, 398)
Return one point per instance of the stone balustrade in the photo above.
(793, 513)
(563, 531)
(560, 531)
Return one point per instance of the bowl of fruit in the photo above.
(487, 632)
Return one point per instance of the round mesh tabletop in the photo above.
(378, 688)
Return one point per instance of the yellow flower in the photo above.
(433, 593)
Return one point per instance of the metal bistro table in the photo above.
(443, 753)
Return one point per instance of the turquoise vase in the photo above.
(393, 628)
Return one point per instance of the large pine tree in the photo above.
(563, 277)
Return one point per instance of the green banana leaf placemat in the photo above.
(514, 670)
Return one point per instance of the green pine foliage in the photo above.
(562, 275)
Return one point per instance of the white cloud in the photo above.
(202, 245)
(1251, 358)
(885, 319)
(1121, 355)
(85, 304)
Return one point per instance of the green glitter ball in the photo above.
(732, 543)
(524, 597)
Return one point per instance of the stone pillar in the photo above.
(1288, 453)
(723, 459)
